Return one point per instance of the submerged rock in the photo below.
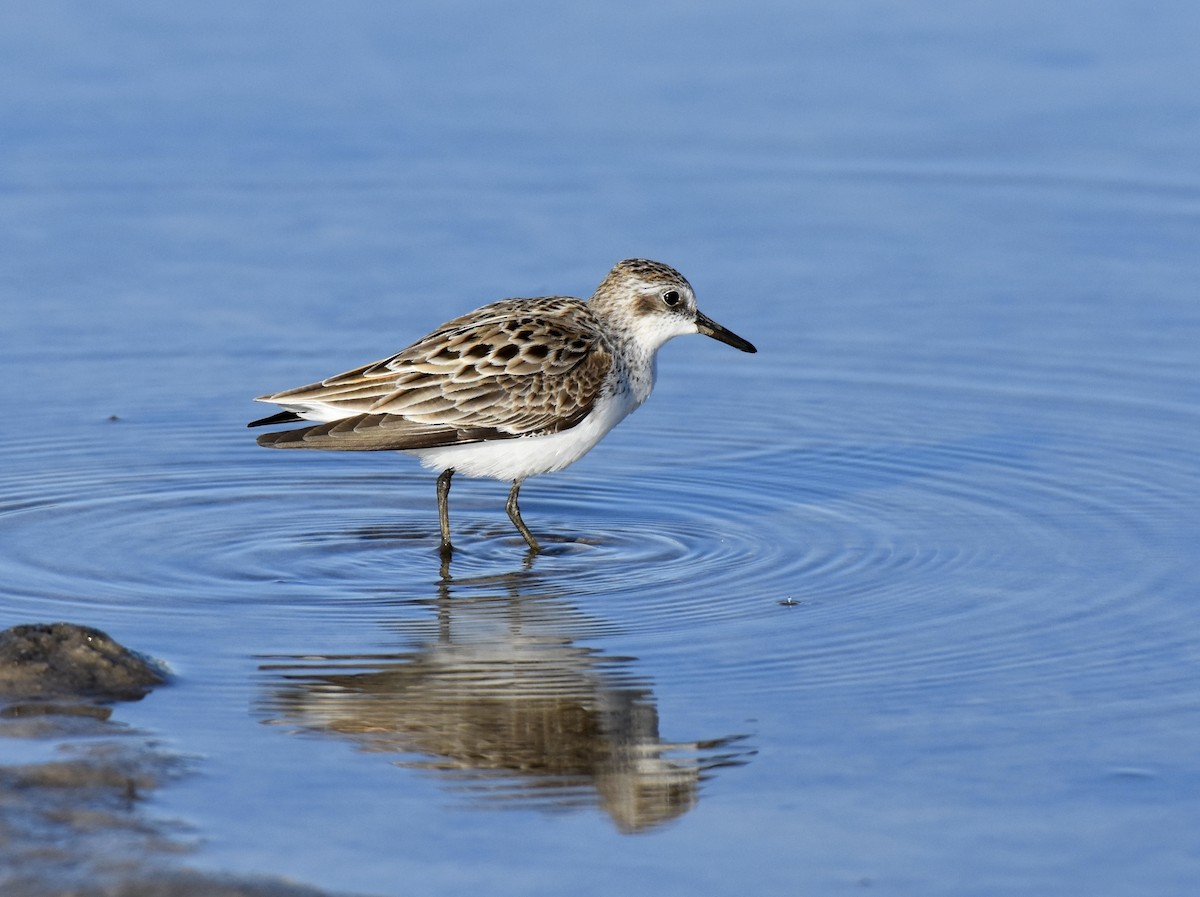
(46, 661)
(198, 884)
(77, 825)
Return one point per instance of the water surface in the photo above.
(906, 600)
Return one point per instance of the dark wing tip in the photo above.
(283, 417)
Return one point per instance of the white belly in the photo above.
(526, 456)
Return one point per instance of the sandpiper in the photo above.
(516, 388)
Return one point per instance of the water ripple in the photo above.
(850, 533)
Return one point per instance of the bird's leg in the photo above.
(514, 514)
(443, 494)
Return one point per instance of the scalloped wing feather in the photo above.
(513, 368)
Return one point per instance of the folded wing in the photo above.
(517, 367)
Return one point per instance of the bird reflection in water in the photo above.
(494, 695)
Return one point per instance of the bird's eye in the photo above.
(671, 297)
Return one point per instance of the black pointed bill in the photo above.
(709, 327)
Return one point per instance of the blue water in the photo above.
(907, 600)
